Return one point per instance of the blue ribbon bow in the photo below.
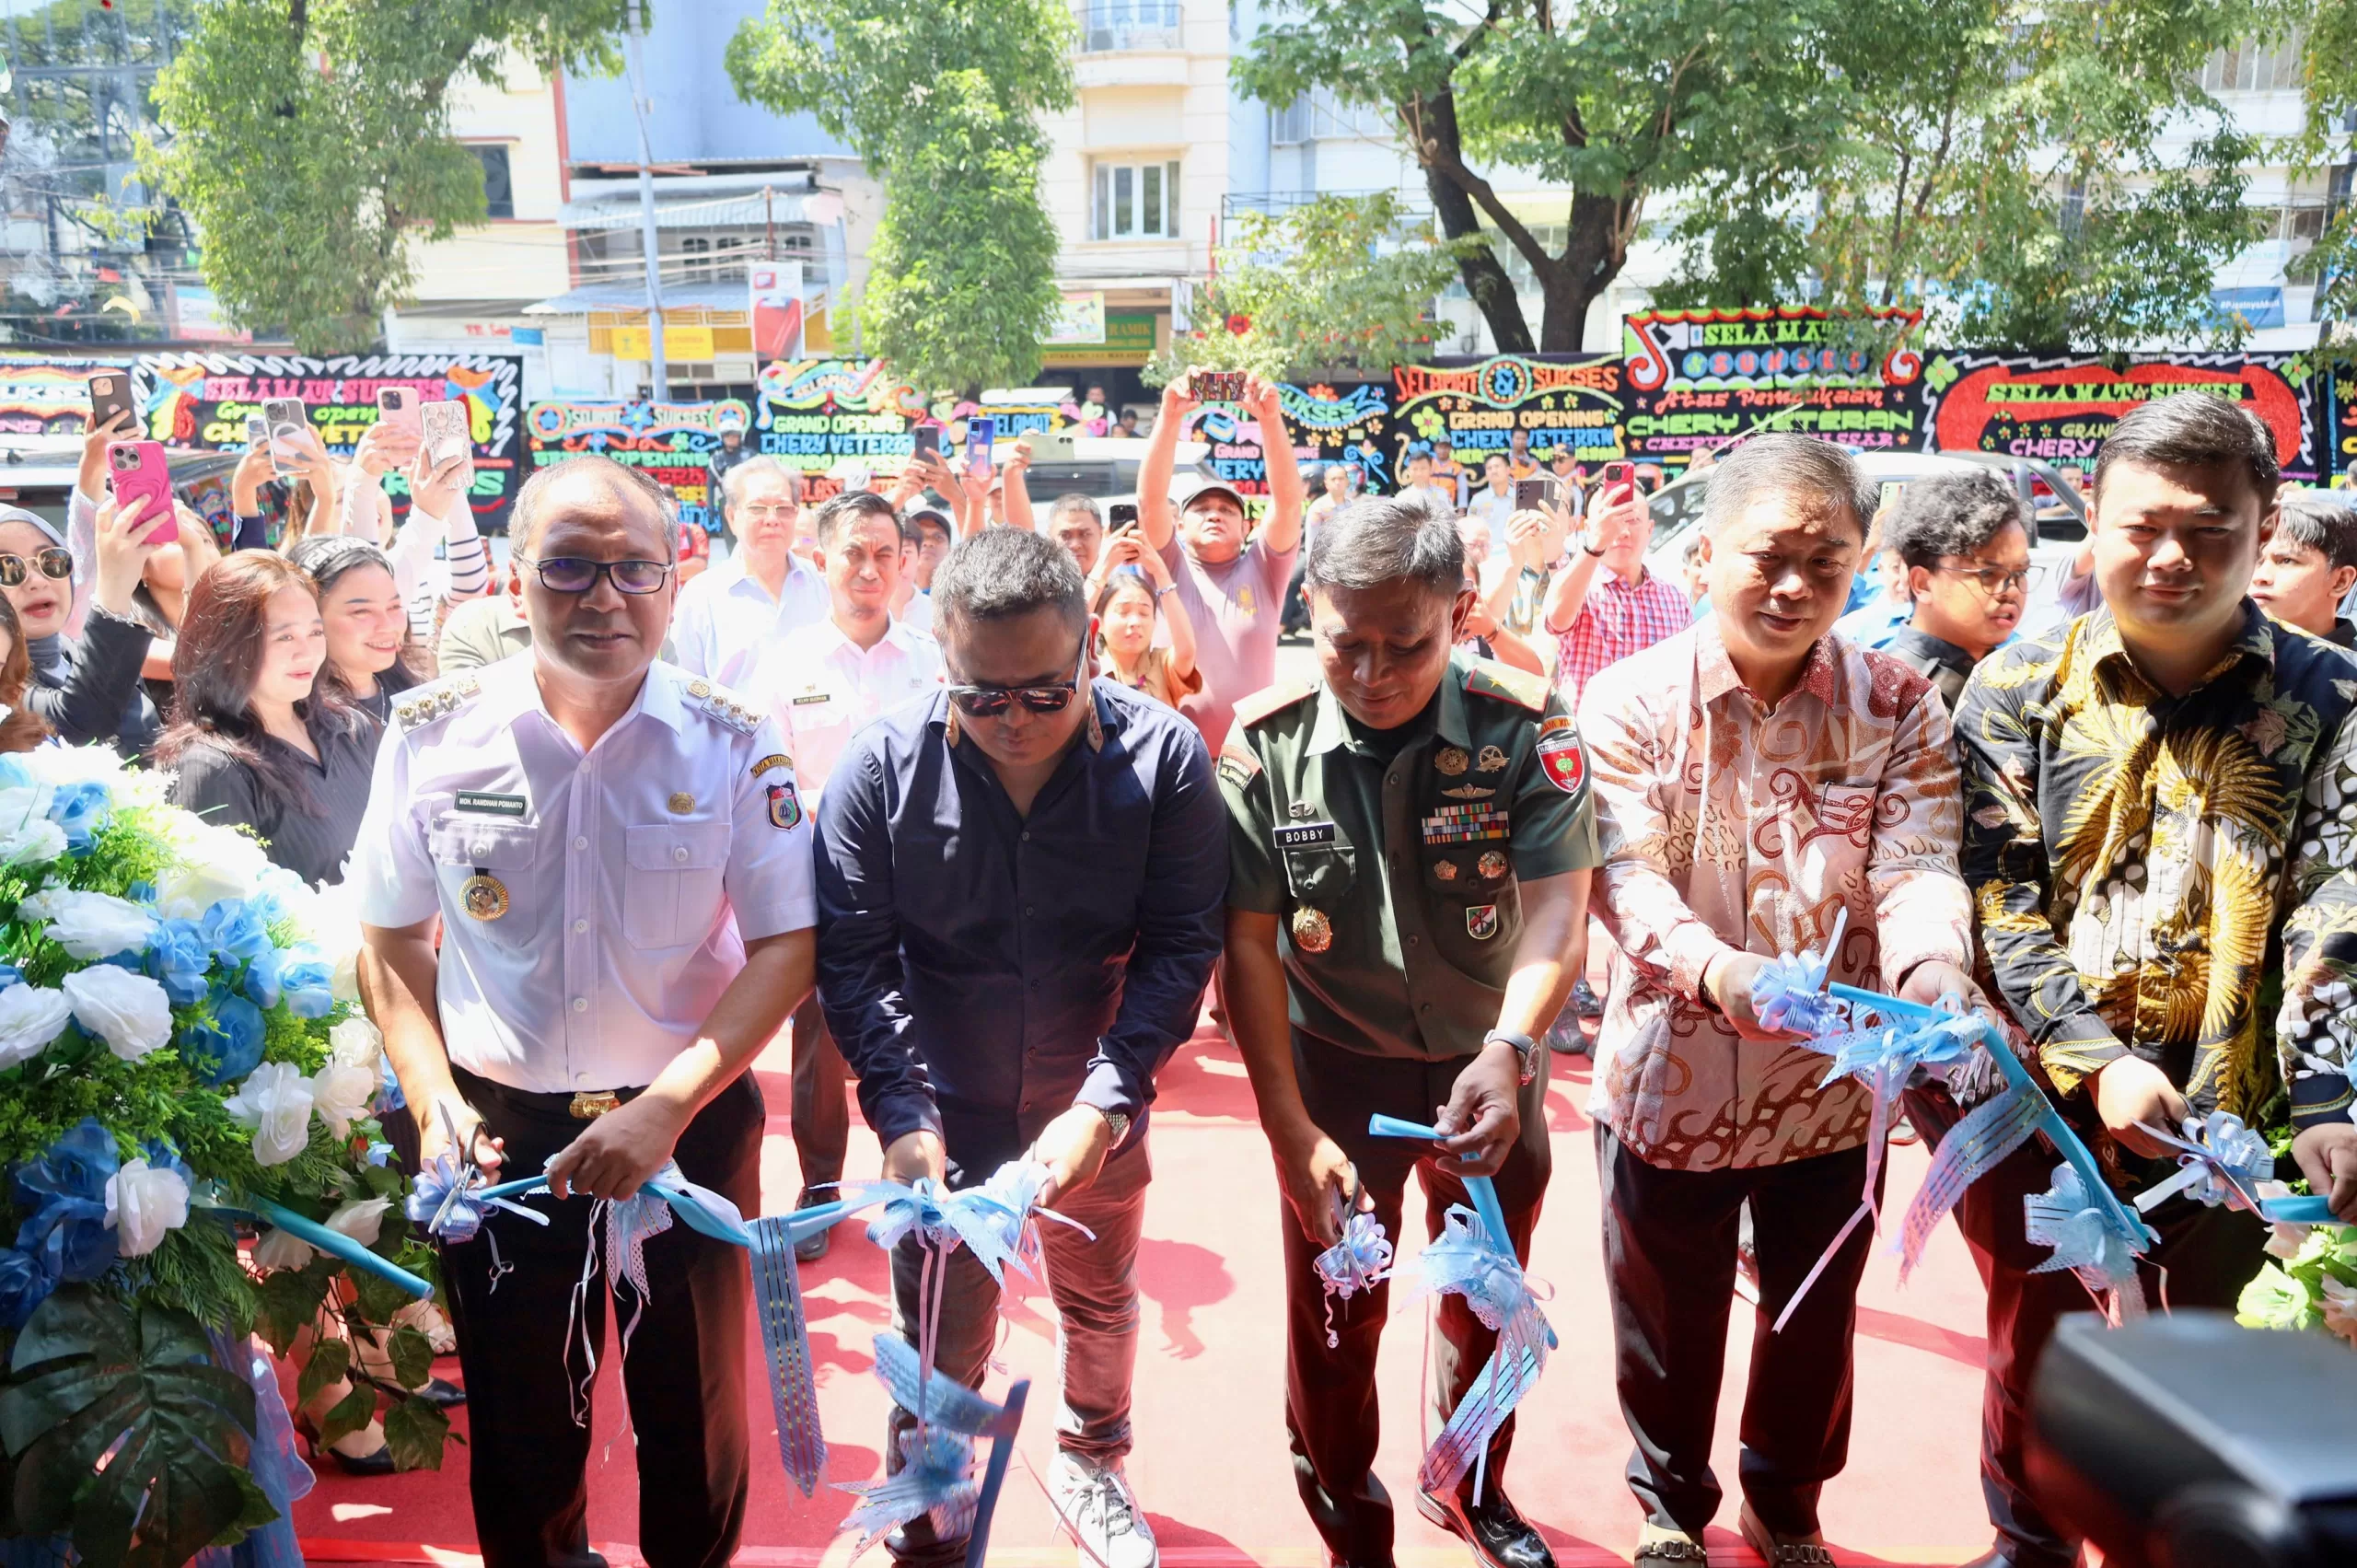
(2219, 1161)
(936, 1477)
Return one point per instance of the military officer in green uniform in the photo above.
(1410, 843)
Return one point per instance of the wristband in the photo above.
(1586, 549)
(1171, 590)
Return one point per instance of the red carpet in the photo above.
(1211, 1466)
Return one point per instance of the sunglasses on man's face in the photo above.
(990, 702)
(55, 561)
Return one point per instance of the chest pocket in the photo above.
(671, 885)
(1321, 874)
(463, 844)
(1463, 850)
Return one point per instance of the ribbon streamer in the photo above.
(1359, 1260)
(936, 1477)
(1474, 1258)
(2219, 1161)
(2070, 1218)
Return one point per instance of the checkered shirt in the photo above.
(1616, 620)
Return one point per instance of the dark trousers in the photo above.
(2204, 1257)
(820, 1119)
(684, 1372)
(1670, 1257)
(1329, 1393)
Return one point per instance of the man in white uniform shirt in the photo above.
(821, 685)
(738, 608)
(618, 861)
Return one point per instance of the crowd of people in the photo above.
(977, 801)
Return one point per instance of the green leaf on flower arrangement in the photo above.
(349, 1414)
(259, 1511)
(290, 1301)
(382, 1180)
(417, 1432)
(95, 1380)
(330, 1360)
(379, 1297)
(412, 1357)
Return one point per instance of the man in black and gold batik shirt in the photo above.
(2160, 810)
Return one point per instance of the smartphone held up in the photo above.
(138, 470)
(397, 409)
(982, 436)
(286, 421)
(109, 398)
(443, 428)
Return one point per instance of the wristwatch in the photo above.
(1526, 1049)
(1586, 548)
(1119, 1123)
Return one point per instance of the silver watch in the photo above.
(1117, 1122)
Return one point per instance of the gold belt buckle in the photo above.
(589, 1107)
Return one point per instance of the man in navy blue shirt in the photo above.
(1020, 889)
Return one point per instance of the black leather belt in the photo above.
(587, 1104)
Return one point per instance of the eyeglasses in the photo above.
(570, 574)
(1993, 580)
(55, 562)
(990, 702)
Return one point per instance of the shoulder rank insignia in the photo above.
(1237, 765)
(429, 702)
(1272, 700)
(1491, 678)
(724, 706)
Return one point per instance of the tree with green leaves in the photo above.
(1341, 285)
(1616, 105)
(310, 144)
(2014, 174)
(942, 101)
(2002, 164)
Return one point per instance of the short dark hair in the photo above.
(848, 506)
(1952, 514)
(1380, 538)
(525, 517)
(2194, 429)
(2325, 525)
(1002, 573)
(1782, 460)
(1076, 501)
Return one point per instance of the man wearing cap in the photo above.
(1409, 843)
(1231, 591)
(723, 461)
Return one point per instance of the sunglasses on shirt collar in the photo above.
(55, 561)
(990, 702)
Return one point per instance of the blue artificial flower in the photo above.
(13, 774)
(378, 1153)
(309, 980)
(237, 932)
(26, 1281)
(226, 1048)
(11, 975)
(262, 983)
(179, 958)
(65, 1192)
(82, 809)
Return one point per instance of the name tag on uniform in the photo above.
(805, 701)
(1302, 835)
(485, 804)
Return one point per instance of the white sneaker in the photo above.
(1095, 1505)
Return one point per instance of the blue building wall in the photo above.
(698, 115)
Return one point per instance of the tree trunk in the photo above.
(1485, 278)
(1592, 257)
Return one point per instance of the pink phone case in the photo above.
(138, 468)
(398, 407)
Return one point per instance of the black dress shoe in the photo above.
(810, 1248)
(442, 1394)
(1500, 1537)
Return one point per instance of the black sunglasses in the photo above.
(990, 702)
(570, 574)
(55, 561)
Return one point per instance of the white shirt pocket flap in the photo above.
(463, 840)
(676, 847)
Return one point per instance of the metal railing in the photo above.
(1130, 24)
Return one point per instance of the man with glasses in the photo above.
(1019, 883)
(84, 688)
(736, 611)
(1962, 541)
(823, 685)
(617, 862)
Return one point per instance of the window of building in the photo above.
(498, 195)
(1136, 201)
(2254, 66)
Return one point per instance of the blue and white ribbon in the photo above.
(994, 1220)
(1789, 990)
(450, 1200)
(2075, 1222)
(936, 1474)
(1470, 1260)
(2219, 1161)
(1359, 1260)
